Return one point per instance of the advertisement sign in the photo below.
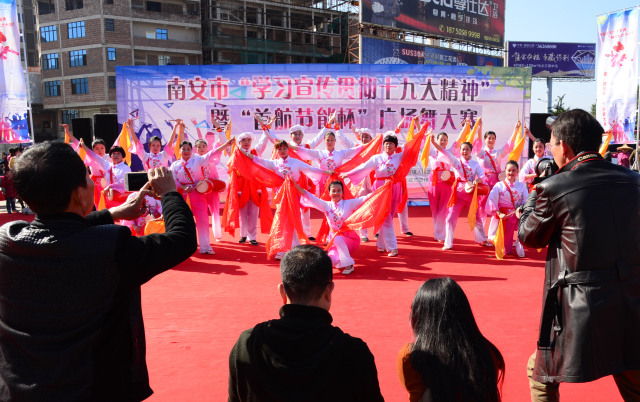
(617, 67)
(550, 59)
(479, 21)
(377, 97)
(13, 93)
(380, 51)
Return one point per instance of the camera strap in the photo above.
(579, 159)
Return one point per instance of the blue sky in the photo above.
(558, 21)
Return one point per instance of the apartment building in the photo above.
(82, 41)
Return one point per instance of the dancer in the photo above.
(384, 165)
(440, 181)
(97, 175)
(187, 172)
(489, 160)
(365, 136)
(151, 207)
(466, 171)
(251, 197)
(505, 197)
(297, 135)
(286, 167)
(336, 212)
(158, 155)
(527, 173)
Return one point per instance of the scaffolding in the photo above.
(266, 32)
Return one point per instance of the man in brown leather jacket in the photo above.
(588, 214)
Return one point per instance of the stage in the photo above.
(195, 312)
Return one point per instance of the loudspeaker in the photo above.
(82, 129)
(106, 127)
(539, 129)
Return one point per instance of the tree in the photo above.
(593, 110)
(559, 107)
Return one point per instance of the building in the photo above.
(82, 42)
(267, 32)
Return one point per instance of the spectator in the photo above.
(301, 356)
(608, 157)
(588, 215)
(71, 326)
(623, 154)
(9, 192)
(450, 359)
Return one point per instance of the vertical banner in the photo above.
(617, 65)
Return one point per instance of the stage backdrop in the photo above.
(617, 67)
(13, 93)
(373, 96)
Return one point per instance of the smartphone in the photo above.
(135, 181)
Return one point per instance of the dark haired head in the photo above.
(607, 156)
(336, 183)
(540, 140)
(155, 138)
(281, 144)
(441, 134)
(186, 143)
(579, 130)
(46, 175)
(329, 133)
(454, 359)
(512, 162)
(467, 143)
(118, 148)
(391, 138)
(306, 271)
(98, 141)
(488, 133)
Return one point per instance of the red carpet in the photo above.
(195, 312)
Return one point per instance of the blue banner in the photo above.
(551, 59)
(379, 51)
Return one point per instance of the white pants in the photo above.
(213, 202)
(493, 227)
(452, 221)
(249, 220)
(344, 257)
(364, 232)
(199, 208)
(387, 236)
(306, 222)
(403, 217)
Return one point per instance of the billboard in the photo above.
(617, 82)
(380, 51)
(13, 91)
(364, 95)
(552, 59)
(479, 21)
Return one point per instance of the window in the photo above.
(50, 61)
(67, 115)
(52, 88)
(161, 34)
(164, 60)
(46, 7)
(78, 58)
(151, 35)
(80, 86)
(76, 29)
(74, 5)
(109, 25)
(108, 1)
(111, 53)
(49, 34)
(154, 6)
(112, 81)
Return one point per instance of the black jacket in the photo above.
(71, 324)
(301, 357)
(589, 216)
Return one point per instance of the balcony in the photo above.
(152, 10)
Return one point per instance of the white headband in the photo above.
(295, 128)
(364, 130)
(245, 135)
(391, 133)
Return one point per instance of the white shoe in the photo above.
(393, 253)
(446, 248)
(519, 249)
(210, 252)
(279, 256)
(347, 270)
(381, 250)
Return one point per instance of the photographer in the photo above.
(588, 215)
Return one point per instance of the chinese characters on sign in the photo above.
(554, 59)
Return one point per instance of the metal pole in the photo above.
(26, 71)
(549, 94)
